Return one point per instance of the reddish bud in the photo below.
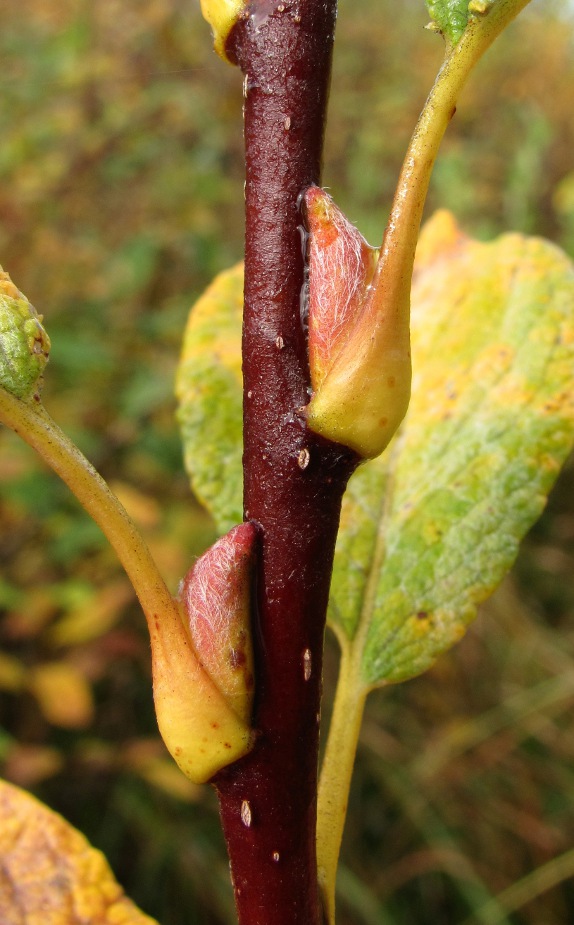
(359, 344)
(203, 663)
(341, 266)
(216, 596)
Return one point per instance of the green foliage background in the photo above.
(121, 195)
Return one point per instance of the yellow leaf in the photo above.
(146, 757)
(50, 874)
(63, 694)
(144, 510)
(91, 619)
(222, 16)
(12, 673)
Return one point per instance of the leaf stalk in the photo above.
(34, 425)
(337, 772)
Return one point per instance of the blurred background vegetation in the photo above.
(121, 195)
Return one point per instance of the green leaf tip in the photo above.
(24, 344)
(222, 16)
(451, 17)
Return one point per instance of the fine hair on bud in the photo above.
(341, 266)
(215, 595)
(359, 338)
(202, 660)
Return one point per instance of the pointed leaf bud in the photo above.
(341, 266)
(222, 16)
(362, 374)
(202, 661)
(216, 596)
(24, 344)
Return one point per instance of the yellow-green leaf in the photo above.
(92, 616)
(51, 874)
(429, 530)
(208, 388)
(449, 17)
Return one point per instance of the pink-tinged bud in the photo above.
(341, 267)
(216, 595)
(202, 660)
(359, 341)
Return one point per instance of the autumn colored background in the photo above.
(121, 195)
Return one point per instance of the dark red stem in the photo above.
(294, 481)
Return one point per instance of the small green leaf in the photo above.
(209, 390)
(449, 17)
(24, 344)
(430, 529)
